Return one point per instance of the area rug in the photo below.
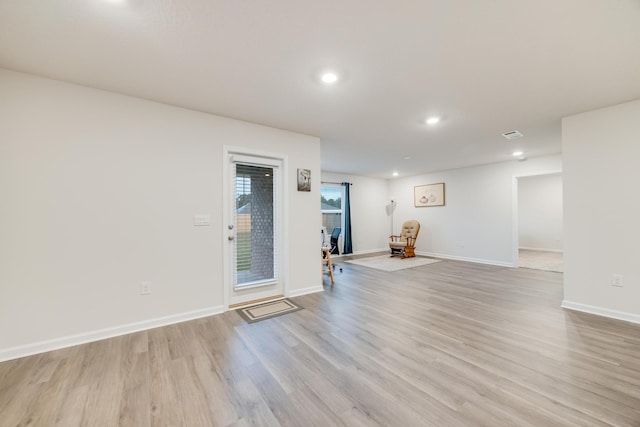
(268, 310)
(389, 263)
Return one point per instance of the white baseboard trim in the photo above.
(305, 291)
(85, 337)
(600, 311)
(526, 248)
(460, 258)
(371, 251)
(368, 251)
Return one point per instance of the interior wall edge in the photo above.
(527, 248)
(467, 259)
(364, 252)
(601, 311)
(97, 335)
(305, 291)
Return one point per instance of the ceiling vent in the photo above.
(513, 134)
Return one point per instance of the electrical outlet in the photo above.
(145, 288)
(617, 280)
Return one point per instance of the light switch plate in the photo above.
(617, 280)
(145, 288)
(201, 219)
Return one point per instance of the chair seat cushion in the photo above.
(398, 244)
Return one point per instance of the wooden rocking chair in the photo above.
(405, 243)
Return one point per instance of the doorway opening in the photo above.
(255, 228)
(539, 226)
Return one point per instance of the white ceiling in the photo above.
(486, 67)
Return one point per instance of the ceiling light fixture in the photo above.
(395, 174)
(329, 78)
(433, 120)
(513, 134)
(520, 156)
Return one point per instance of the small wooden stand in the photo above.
(326, 259)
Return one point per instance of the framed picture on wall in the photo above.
(304, 180)
(428, 195)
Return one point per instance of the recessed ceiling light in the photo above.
(395, 174)
(433, 120)
(329, 78)
(517, 153)
(406, 157)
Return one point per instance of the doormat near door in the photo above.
(268, 310)
(388, 263)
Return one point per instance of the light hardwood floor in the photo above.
(447, 344)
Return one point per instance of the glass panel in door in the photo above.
(255, 225)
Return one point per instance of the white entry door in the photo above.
(254, 233)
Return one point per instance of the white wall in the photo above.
(478, 221)
(370, 223)
(98, 193)
(540, 212)
(602, 209)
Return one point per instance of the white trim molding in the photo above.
(367, 252)
(305, 291)
(600, 311)
(460, 258)
(526, 248)
(101, 334)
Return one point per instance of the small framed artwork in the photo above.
(428, 195)
(304, 180)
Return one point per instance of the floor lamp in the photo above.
(390, 208)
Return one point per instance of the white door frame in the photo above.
(283, 247)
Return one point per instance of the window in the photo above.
(255, 224)
(331, 207)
